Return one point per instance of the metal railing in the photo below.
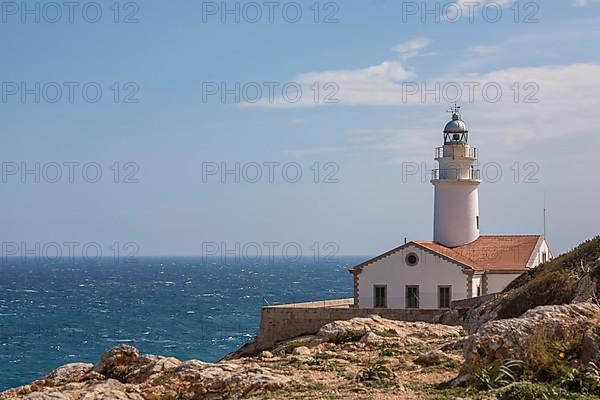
(456, 174)
(457, 152)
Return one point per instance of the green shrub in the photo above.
(553, 282)
(584, 380)
(378, 374)
(499, 374)
(534, 391)
(547, 359)
(548, 288)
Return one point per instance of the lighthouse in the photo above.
(456, 183)
(456, 265)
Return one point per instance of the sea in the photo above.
(54, 313)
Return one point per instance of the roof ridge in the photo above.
(475, 263)
(526, 235)
(455, 256)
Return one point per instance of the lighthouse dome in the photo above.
(456, 125)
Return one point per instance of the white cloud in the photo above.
(345, 86)
(564, 116)
(411, 48)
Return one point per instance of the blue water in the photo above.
(71, 311)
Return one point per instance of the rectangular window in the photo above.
(478, 222)
(544, 257)
(380, 296)
(412, 297)
(444, 296)
(478, 290)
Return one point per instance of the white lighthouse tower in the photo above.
(456, 183)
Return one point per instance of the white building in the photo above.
(458, 263)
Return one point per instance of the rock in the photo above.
(47, 396)
(451, 317)
(302, 351)
(372, 339)
(590, 346)
(435, 357)
(454, 345)
(125, 364)
(326, 354)
(116, 363)
(75, 372)
(355, 329)
(123, 374)
(266, 355)
(196, 380)
(109, 389)
(542, 329)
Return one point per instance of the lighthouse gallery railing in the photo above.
(456, 152)
(456, 174)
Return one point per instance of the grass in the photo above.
(387, 351)
(537, 391)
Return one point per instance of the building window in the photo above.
(411, 259)
(478, 222)
(412, 297)
(380, 296)
(478, 290)
(444, 296)
(544, 257)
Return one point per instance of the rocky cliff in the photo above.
(361, 358)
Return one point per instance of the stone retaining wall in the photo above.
(474, 301)
(290, 320)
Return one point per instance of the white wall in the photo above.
(544, 248)
(456, 208)
(428, 274)
(497, 282)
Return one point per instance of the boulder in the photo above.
(266, 355)
(75, 372)
(116, 363)
(125, 364)
(302, 351)
(402, 332)
(570, 329)
(195, 380)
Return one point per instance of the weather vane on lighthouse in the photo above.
(454, 110)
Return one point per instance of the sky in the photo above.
(252, 129)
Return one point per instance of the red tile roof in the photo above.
(499, 253)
